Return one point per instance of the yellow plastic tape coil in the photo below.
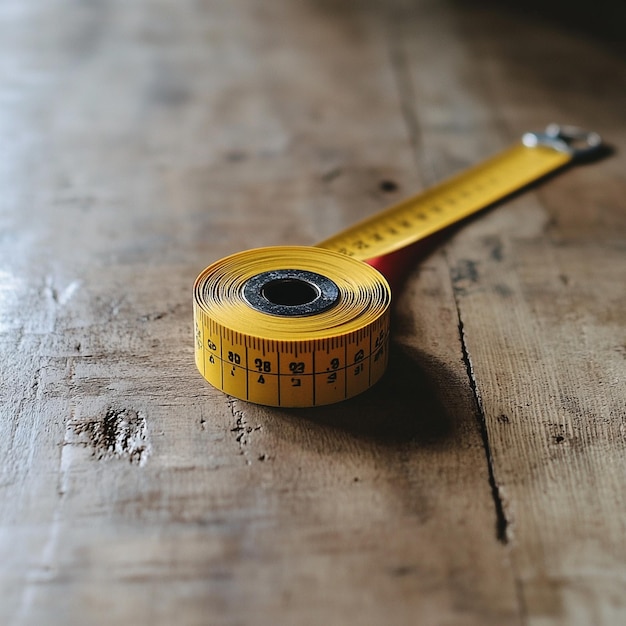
(301, 326)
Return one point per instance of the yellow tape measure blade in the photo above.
(446, 203)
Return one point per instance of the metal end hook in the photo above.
(572, 140)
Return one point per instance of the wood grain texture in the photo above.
(481, 482)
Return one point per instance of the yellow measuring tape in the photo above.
(302, 326)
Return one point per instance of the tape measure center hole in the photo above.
(290, 292)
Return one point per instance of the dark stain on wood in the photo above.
(464, 275)
(118, 433)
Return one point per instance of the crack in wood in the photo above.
(502, 523)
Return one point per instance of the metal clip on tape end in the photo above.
(578, 143)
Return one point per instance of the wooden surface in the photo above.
(482, 482)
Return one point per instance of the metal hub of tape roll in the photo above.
(307, 326)
(290, 292)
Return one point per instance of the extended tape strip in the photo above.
(306, 326)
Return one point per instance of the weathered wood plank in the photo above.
(539, 286)
(145, 140)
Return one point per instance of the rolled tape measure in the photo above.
(299, 326)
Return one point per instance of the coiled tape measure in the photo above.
(298, 326)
